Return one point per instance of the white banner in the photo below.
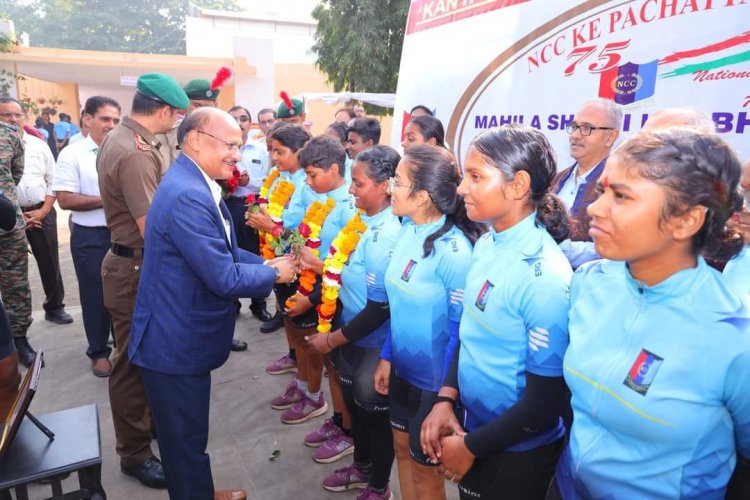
(481, 64)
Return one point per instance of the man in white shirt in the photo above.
(593, 132)
(77, 187)
(253, 168)
(37, 202)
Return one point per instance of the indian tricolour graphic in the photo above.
(486, 63)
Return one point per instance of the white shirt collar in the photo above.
(213, 186)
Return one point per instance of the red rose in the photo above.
(277, 231)
(250, 199)
(236, 172)
(304, 230)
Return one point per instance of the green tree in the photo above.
(358, 43)
(147, 26)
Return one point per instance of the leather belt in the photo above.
(33, 207)
(123, 251)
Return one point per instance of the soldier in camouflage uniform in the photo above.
(14, 249)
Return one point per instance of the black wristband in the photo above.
(444, 399)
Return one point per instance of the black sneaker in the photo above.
(150, 473)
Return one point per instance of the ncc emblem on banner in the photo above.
(629, 82)
(643, 371)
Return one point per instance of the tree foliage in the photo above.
(147, 26)
(358, 43)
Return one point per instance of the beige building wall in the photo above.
(42, 93)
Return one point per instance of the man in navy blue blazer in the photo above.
(184, 315)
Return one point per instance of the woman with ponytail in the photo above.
(659, 355)
(424, 282)
(507, 371)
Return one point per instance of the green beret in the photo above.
(163, 88)
(284, 111)
(200, 89)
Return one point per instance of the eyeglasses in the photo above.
(584, 128)
(242, 118)
(230, 146)
(17, 116)
(392, 185)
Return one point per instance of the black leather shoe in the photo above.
(150, 473)
(26, 353)
(238, 345)
(60, 317)
(261, 313)
(274, 324)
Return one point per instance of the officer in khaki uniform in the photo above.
(130, 167)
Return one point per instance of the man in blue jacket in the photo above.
(184, 315)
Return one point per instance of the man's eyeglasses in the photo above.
(585, 129)
(392, 185)
(17, 116)
(230, 146)
(242, 119)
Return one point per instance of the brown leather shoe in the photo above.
(101, 367)
(230, 495)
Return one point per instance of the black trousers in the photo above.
(247, 237)
(179, 407)
(44, 247)
(88, 246)
(524, 475)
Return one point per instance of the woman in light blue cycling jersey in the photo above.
(659, 355)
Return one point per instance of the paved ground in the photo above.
(244, 429)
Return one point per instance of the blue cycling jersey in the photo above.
(363, 277)
(425, 295)
(659, 377)
(515, 320)
(302, 198)
(737, 271)
(341, 213)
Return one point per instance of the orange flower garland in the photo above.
(341, 248)
(273, 174)
(276, 203)
(310, 228)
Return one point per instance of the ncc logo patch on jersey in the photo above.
(484, 295)
(643, 371)
(409, 270)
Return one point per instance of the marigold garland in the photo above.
(338, 255)
(276, 203)
(309, 229)
(266, 187)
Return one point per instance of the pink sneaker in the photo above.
(346, 479)
(369, 494)
(284, 364)
(334, 449)
(325, 432)
(304, 409)
(291, 395)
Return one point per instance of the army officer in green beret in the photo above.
(130, 166)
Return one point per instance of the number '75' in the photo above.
(607, 59)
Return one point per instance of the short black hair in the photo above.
(243, 108)
(291, 136)
(7, 99)
(341, 130)
(322, 152)
(95, 103)
(367, 128)
(146, 106)
(266, 110)
(423, 108)
(348, 111)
